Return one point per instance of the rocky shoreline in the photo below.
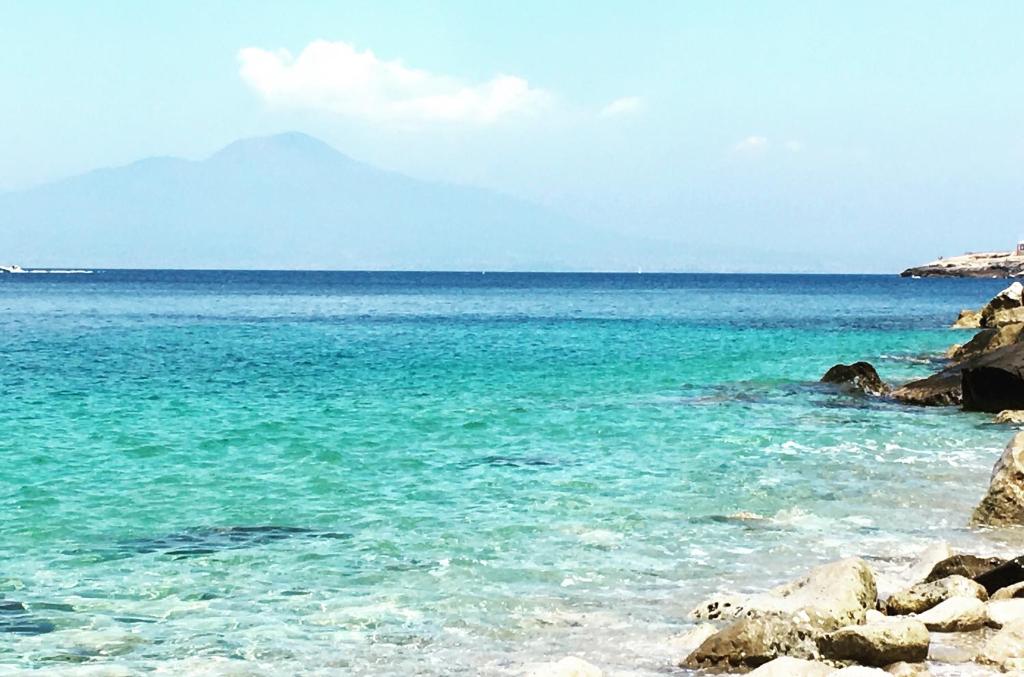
(987, 264)
(952, 612)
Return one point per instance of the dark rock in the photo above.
(208, 540)
(16, 619)
(990, 382)
(858, 377)
(1002, 576)
(994, 381)
(939, 390)
(968, 566)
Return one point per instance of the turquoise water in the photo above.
(379, 473)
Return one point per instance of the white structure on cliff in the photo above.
(1020, 248)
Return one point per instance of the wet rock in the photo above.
(878, 644)
(1006, 648)
(1003, 575)
(751, 642)
(938, 390)
(968, 566)
(567, 667)
(908, 670)
(840, 591)
(924, 596)
(968, 319)
(859, 377)
(1015, 591)
(988, 340)
(1003, 505)
(786, 666)
(1005, 612)
(956, 614)
(994, 381)
(1004, 308)
(1010, 416)
(860, 671)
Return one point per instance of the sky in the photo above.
(820, 135)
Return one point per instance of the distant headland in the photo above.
(11, 269)
(985, 264)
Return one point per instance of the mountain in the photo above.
(286, 201)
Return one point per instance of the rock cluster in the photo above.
(825, 623)
(1003, 505)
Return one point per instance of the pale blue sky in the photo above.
(862, 135)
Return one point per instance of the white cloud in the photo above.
(624, 106)
(752, 144)
(336, 77)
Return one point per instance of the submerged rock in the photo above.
(878, 644)
(924, 596)
(1003, 505)
(208, 540)
(859, 377)
(968, 319)
(839, 591)
(968, 566)
(16, 619)
(956, 614)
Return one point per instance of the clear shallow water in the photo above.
(376, 473)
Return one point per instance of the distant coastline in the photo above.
(984, 264)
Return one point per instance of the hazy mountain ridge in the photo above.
(286, 201)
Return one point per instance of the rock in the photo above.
(1010, 416)
(952, 351)
(956, 614)
(908, 670)
(753, 641)
(1005, 612)
(878, 644)
(1003, 305)
(786, 666)
(839, 591)
(874, 616)
(988, 340)
(938, 390)
(1006, 648)
(924, 596)
(994, 381)
(859, 377)
(860, 671)
(968, 566)
(1015, 591)
(968, 319)
(1003, 505)
(1003, 575)
(567, 667)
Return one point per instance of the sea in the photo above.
(394, 473)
